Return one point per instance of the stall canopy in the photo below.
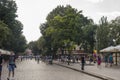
(4, 52)
(118, 48)
(111, 49)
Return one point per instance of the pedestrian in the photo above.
(111, 60)
(90, 59)
(82, 62)
(69, 58)
(1, 63)
(99, 60)
(106, 60)
(77, 59)
(74, 58)
(38, 59)
(11, 65)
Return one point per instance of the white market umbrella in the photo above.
(109, 49)
(4, 52)
(118, 48)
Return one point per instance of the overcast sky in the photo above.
(33, 12)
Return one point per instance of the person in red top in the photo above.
(99, 60)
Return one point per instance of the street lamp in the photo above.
(96, 38)
(114, 41)
(51, 56)
(52, 52)
(70, 50)
(65, 44)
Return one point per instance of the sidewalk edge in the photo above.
(88, 73)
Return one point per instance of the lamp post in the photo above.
(51, 57)
(52, 52)
(114, 41)
(115, 52)
(69, 54)
(96, 50)
(65, 47)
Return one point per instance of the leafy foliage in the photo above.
(8, 15)
(64, 28)
(4, 33)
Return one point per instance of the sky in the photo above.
(32, 13)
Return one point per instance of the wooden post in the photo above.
(116, 58)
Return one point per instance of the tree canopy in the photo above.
(8, 9)
(64, 28)
(4, 33)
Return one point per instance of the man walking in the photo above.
(82, 62)
(1, 63)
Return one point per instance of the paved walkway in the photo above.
(102, 71)
(31, 70)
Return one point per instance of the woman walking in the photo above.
(99, 60)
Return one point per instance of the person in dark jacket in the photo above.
(82, 62)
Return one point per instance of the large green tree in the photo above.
(108, 33)
(88, 41)
(4, 33)
(63, 28)
(114, 32)
(103, 35)
(33, 46)
(8, 9)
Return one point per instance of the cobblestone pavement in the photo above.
(30, 70)
(111, 72)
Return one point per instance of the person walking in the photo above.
(90, 59)
(38, 59)
(111, 60)
(99, 60)
(1, 63)
(69, 58)
(11, 65)
(82, 62)
(106, 60)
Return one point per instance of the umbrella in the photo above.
(4, 52)
(118, 48)
(110, 49)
